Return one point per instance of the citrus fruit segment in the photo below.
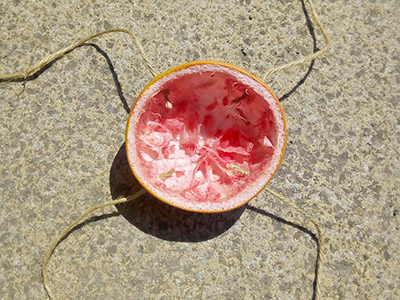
(205, 136)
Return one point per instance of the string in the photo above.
(320, 241)
(309, 57)
(47, 60)
(63, 234)
(51, 58)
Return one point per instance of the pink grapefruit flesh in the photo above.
(205, 137)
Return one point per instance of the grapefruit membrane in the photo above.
(205, 136)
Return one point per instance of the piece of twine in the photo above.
(309, 57)
(63, 234)
(320, 241)
(51, 58)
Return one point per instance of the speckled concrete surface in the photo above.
(61, 140)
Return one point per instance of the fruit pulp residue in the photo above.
(205, 137)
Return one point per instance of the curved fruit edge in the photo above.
(183, 66)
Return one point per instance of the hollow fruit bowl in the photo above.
(205, 136)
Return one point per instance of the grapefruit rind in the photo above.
(241, 76)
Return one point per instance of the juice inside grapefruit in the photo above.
(202, 136)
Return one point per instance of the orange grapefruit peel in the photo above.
(249, 166)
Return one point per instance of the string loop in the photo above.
(51, 58)
(45, 61)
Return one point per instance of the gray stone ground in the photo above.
(60, 140)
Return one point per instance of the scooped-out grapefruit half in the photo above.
(205, 136)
